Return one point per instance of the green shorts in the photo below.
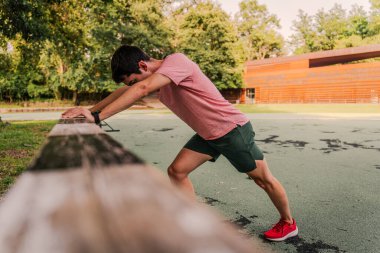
(238, 146)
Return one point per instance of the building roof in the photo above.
(325, 58)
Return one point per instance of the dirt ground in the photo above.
(329, 165)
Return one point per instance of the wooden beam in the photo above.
(85, 193)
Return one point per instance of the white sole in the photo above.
(291, 234)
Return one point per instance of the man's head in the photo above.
(129, 65)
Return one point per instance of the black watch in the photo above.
(96, 117)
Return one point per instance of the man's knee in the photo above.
(265, 183)
(262, 176)
(175, 172)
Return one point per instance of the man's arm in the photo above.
(134, 93)
(99, 106)
(109, 99)
(125, 100)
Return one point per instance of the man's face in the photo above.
(134, 78)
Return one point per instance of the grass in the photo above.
(29, 104)
(19, 143)
(4, 105)
(42, 103)
(310, 108)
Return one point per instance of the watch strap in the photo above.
(96, 117)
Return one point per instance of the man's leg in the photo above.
(264, 178)
(186, 161)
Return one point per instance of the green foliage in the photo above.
(358, 22)
(336, 28)
(205, 33)
(304, 38)
(65, 45)
(375, 17)
(62, 48)
(26, 17)
(259, 30)
(331, 26)
(14, 76)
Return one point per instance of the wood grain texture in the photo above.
(122, 209)
(82, 195)
(81, 152)
(82, 128)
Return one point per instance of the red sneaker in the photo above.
(282, 231)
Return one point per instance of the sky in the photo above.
(287, 10)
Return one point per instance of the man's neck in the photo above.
(155, 64)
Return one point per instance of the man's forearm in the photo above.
(134, 93)
(124, 101)
(109, 99)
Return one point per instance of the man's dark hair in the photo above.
(125, 62)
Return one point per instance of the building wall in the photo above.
(232, 95)
(349, 83)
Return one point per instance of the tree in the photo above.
(28, 18)
(259, 30)
(358, 22)
(319, 32)
(65, 45)
(332, 29)
(206, 34)
(303, 40)
(330, 26)
(375, 17)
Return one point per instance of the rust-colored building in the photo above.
(321, 77)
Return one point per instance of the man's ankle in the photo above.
(287, 220)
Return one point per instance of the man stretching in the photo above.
(219, 127)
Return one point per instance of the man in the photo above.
(219, 127)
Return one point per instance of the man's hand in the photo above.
(77, 112)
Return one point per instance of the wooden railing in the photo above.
(86, 193)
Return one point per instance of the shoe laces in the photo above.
(279, 226)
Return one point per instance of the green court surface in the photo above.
(330, 167)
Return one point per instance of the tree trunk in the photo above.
(75, 97)
(57, 94)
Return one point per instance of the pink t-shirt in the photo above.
(196, 100)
